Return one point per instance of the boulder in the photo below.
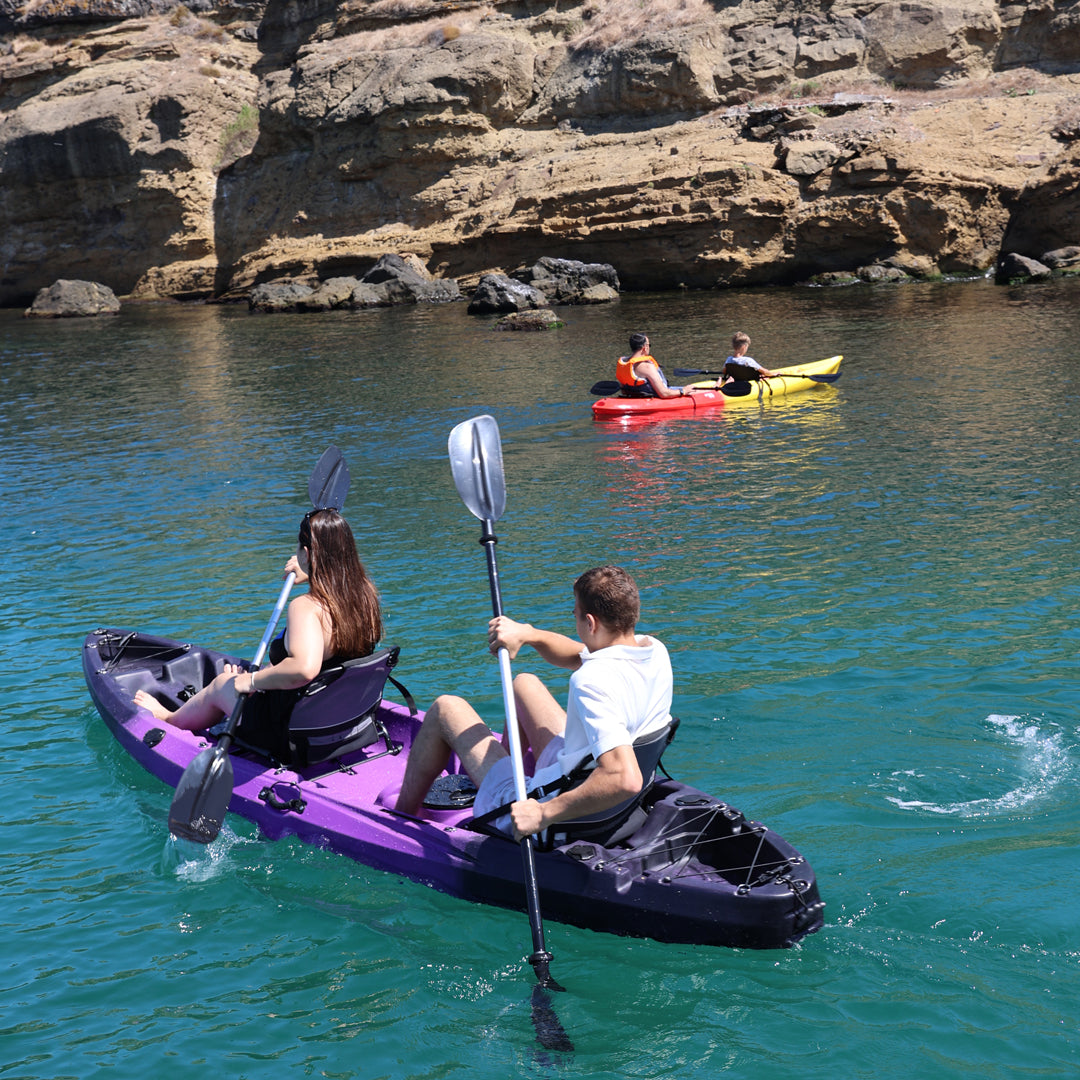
(497, 293)
(916, 266)
(365, 295)
(277, 296)
(333, 293)
(601, 293)
(1062, 258)
(834, 277)
(392, 280)
(540, 319)
(406, 281)
(878, 272)
(809, 157)
(66, 299)
(565, 281)
(1014, 268)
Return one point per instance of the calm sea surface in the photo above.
(870, 595)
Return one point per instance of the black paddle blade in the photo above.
(604, 388)
(202, 796)
(329, 483)
(550, 1033)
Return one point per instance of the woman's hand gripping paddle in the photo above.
(206, 786)
(476, 462)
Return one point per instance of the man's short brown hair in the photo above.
(609, 594)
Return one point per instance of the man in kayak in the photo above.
(639, 374)
(740, 367)
(620, 689)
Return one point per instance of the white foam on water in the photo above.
(1042, 762)
(195, 862)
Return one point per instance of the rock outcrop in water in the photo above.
(73, 299)
(197, 151)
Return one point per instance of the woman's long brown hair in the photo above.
(338, 580)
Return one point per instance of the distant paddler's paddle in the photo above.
(832, 377)
(605, 388)
(476, 462)
(203, 794)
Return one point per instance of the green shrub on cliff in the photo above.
(239, 137)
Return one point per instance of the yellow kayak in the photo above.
(788, 380)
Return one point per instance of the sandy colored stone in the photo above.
(169, 156)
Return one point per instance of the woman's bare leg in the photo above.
(205, 709)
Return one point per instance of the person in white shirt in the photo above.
(620, 689)
(739, 367)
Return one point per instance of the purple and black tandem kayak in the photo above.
(693, 869)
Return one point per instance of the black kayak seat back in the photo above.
(605, 827)
(336, 713)
(615, 824)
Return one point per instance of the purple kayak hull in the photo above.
(696, 871)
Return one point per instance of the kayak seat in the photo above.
(335, 715)
(612, 826)
(605, 828)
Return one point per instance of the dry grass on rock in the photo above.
(609, 24)
(414, 30)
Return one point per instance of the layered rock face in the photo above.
(687, 143)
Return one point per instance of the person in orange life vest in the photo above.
(740, 366)
(639, 374)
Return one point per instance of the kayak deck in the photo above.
(786, 381)
(695, 871)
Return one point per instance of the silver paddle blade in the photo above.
(329, 483)
(477, 465)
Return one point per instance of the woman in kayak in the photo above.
(337, 619)
(640, 375)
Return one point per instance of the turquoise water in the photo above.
(869, 594)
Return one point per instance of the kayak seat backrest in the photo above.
(614, 825)
(336, 713)
(741, 372)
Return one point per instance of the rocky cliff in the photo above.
(195, 151)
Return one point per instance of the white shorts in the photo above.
(497, 788)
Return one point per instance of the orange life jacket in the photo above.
(624, 370)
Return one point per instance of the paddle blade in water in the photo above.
(477, 465)
(550, 1033)
(202, 796)
(329, 483)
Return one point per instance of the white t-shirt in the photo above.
(749, 361)
(618, 694)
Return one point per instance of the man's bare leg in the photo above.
(451, 724)
(540, 716)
